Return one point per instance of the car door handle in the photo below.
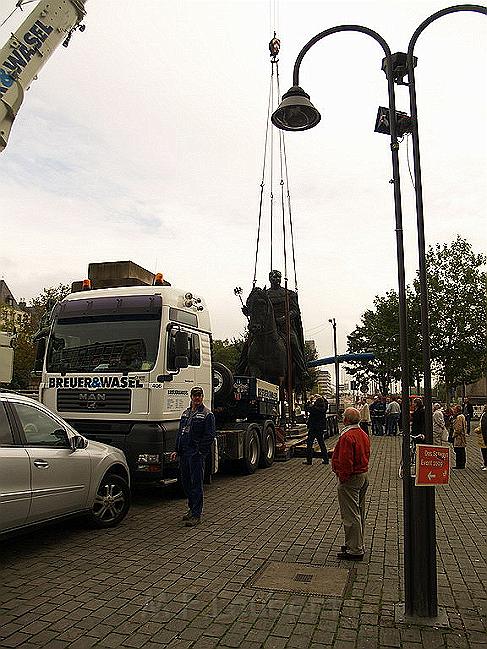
(41, 464)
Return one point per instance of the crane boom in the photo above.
(28, 49)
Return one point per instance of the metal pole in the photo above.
(337, 367)
(409, 549)
(425, 529)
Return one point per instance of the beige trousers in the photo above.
(351, 498)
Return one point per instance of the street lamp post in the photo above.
(337, 366)
(297, 113)
(424, 502)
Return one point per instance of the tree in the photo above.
(457, 312)
(311, 378)
(24, 343)
(228, 352)
(378, 333)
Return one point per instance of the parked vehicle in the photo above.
(49, 471)
(120, 361)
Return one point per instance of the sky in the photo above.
(144, 140)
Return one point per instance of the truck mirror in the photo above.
(181, 362)
(181, 340)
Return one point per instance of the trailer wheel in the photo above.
(251, 449)
(268, 450)
(222, 383)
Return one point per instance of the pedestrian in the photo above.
(393, 413)
(467, 413)
(350, 462)
(459, 438)
(193, 443)
(365, 420)
(399, 421)
(377, 413)
(440, 433)
(481, 432)
(448, 416)
(316, 429)
(417, 422)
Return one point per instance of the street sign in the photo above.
(432, 465)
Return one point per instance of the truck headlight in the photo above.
(149, 458)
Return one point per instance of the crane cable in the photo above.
(274, 47)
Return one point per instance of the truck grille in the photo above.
(93, 401)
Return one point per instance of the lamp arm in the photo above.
(443, 12)
(334, 30)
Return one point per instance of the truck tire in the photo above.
(222, 383)
(251, 450)
(268, 447)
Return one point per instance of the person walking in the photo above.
(459, 438)
(350, 462)
(193, 443)
(417, 422)
(440, 432)
(393, 412)
(365, 420)
(467, 413)
(316, 429)
(481, 431)
(377, 412)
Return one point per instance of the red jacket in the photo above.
(351, 454)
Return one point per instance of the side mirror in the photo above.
(181, 340)
(181, 343)
(77, 443)
(181, 362)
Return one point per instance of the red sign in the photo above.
(432, 465)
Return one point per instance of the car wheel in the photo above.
(112, 502)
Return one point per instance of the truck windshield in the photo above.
(104, 342)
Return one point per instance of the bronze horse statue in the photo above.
(266, 351)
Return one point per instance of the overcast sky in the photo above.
(144, 140)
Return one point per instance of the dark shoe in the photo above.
(325, 462)
(350, 557)
(188, 515)
(308, 463)
(194, 520)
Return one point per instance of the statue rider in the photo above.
(277, 296)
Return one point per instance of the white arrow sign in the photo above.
(431, 475)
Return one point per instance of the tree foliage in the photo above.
(457, 316)
(310, 381)
(458, 311)
(24, 344)
(378, 333)
(228, 352)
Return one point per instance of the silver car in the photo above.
(49, 471)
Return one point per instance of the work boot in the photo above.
(194, 520)
(188, 515)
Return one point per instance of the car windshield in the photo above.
(104, 342)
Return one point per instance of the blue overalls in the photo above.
(193, 443)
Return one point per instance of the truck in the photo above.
(6, 357)
(120, 356)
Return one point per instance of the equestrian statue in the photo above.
(265, 351)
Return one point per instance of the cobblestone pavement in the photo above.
(153, 583)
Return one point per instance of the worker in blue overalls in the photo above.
(193, 443)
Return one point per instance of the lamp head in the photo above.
(295, 112)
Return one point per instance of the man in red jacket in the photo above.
(350, 462)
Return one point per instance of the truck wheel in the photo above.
(251, 449)
(222, 383)
(268, 446)
(112, 502)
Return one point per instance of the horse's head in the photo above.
(261, 313)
